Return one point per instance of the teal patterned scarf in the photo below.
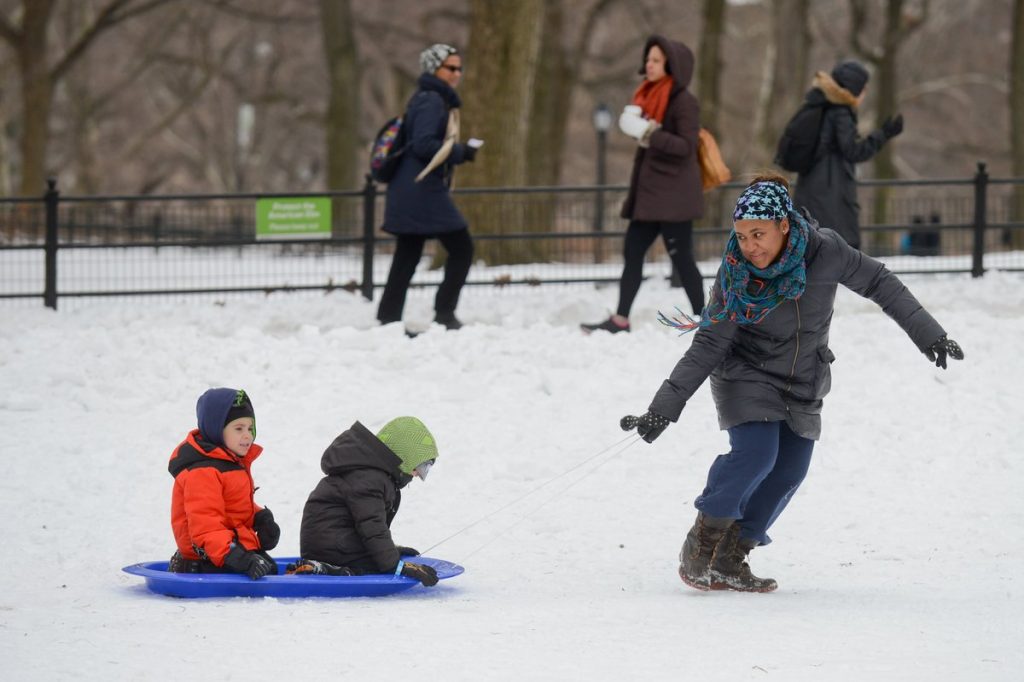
(749, 293)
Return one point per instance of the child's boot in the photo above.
(698, 549)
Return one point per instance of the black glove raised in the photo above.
(892, 126)
(942, 347)
(425, 574)
(406, 551)
(268, 530)
(469, 153)
(649, 426)
(253, 564)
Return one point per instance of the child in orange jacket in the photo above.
(217, 524)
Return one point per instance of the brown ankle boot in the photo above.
(729, 569)
(698, 550)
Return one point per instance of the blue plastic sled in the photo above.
(197, 585)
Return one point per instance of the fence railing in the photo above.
(56, 246)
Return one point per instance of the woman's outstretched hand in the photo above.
(942, 347)
(649, 426)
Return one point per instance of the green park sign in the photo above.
(293, 218)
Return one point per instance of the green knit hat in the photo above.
(410, 440)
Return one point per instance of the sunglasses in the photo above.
(453, 69)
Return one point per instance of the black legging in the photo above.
(408, 252)
(679, 244)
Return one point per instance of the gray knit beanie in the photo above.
(851, 76)
(433, 57)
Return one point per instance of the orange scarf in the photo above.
(653, 97)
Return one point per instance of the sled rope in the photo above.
(558, 496)
(631, 437)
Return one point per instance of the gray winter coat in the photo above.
(780, 369)
(665, 184)
(829, 189)
(347, 518)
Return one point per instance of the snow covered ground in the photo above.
(900, 558)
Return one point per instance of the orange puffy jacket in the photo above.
(212, 503)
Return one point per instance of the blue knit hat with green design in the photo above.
(412, 442)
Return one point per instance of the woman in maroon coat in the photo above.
(665, 191)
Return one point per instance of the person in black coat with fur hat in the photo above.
(829, 189)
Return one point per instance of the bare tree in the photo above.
(504, 44)
(709, 64)
(1016, 101)
(39, 72)
(787, 72)
(343, 95)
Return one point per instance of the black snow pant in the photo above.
(678, 239)
(408, 252)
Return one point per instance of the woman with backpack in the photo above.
(418, 204)
(665, 190)
(828, 188)
(763, 340)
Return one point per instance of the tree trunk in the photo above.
(1017, 116)
(790, 75)
(343, 102)
(709, 64)
(36, 95)
(498, 97)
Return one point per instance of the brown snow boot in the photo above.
(699, 548)
(729, 568)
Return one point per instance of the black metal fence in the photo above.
(55, 247)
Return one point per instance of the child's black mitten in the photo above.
(425, 574)
(268, 530)
(253, 564)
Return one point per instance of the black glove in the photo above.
(253, 564)
(649, 426)
(266, 528)
(892, 126)
(942, 347)
(425, 574)
(406, 551)
(468, 153)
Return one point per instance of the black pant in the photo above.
(408, 252)
(679, 243)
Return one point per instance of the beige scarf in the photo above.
(451, 136)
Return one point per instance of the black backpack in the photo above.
(799, 140)
(388, 146)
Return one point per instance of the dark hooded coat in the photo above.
(425, 207)
(780, 369)
(829, 189)
(347, 518)
(665, 184)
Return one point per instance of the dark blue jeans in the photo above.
(754, 482)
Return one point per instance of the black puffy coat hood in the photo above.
(358, 448)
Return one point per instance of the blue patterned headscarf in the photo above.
(750, 293)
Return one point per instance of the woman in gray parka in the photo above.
(763, 340)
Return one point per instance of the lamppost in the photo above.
(602, 119)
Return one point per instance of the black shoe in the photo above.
(448, 320)
(608, 325)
